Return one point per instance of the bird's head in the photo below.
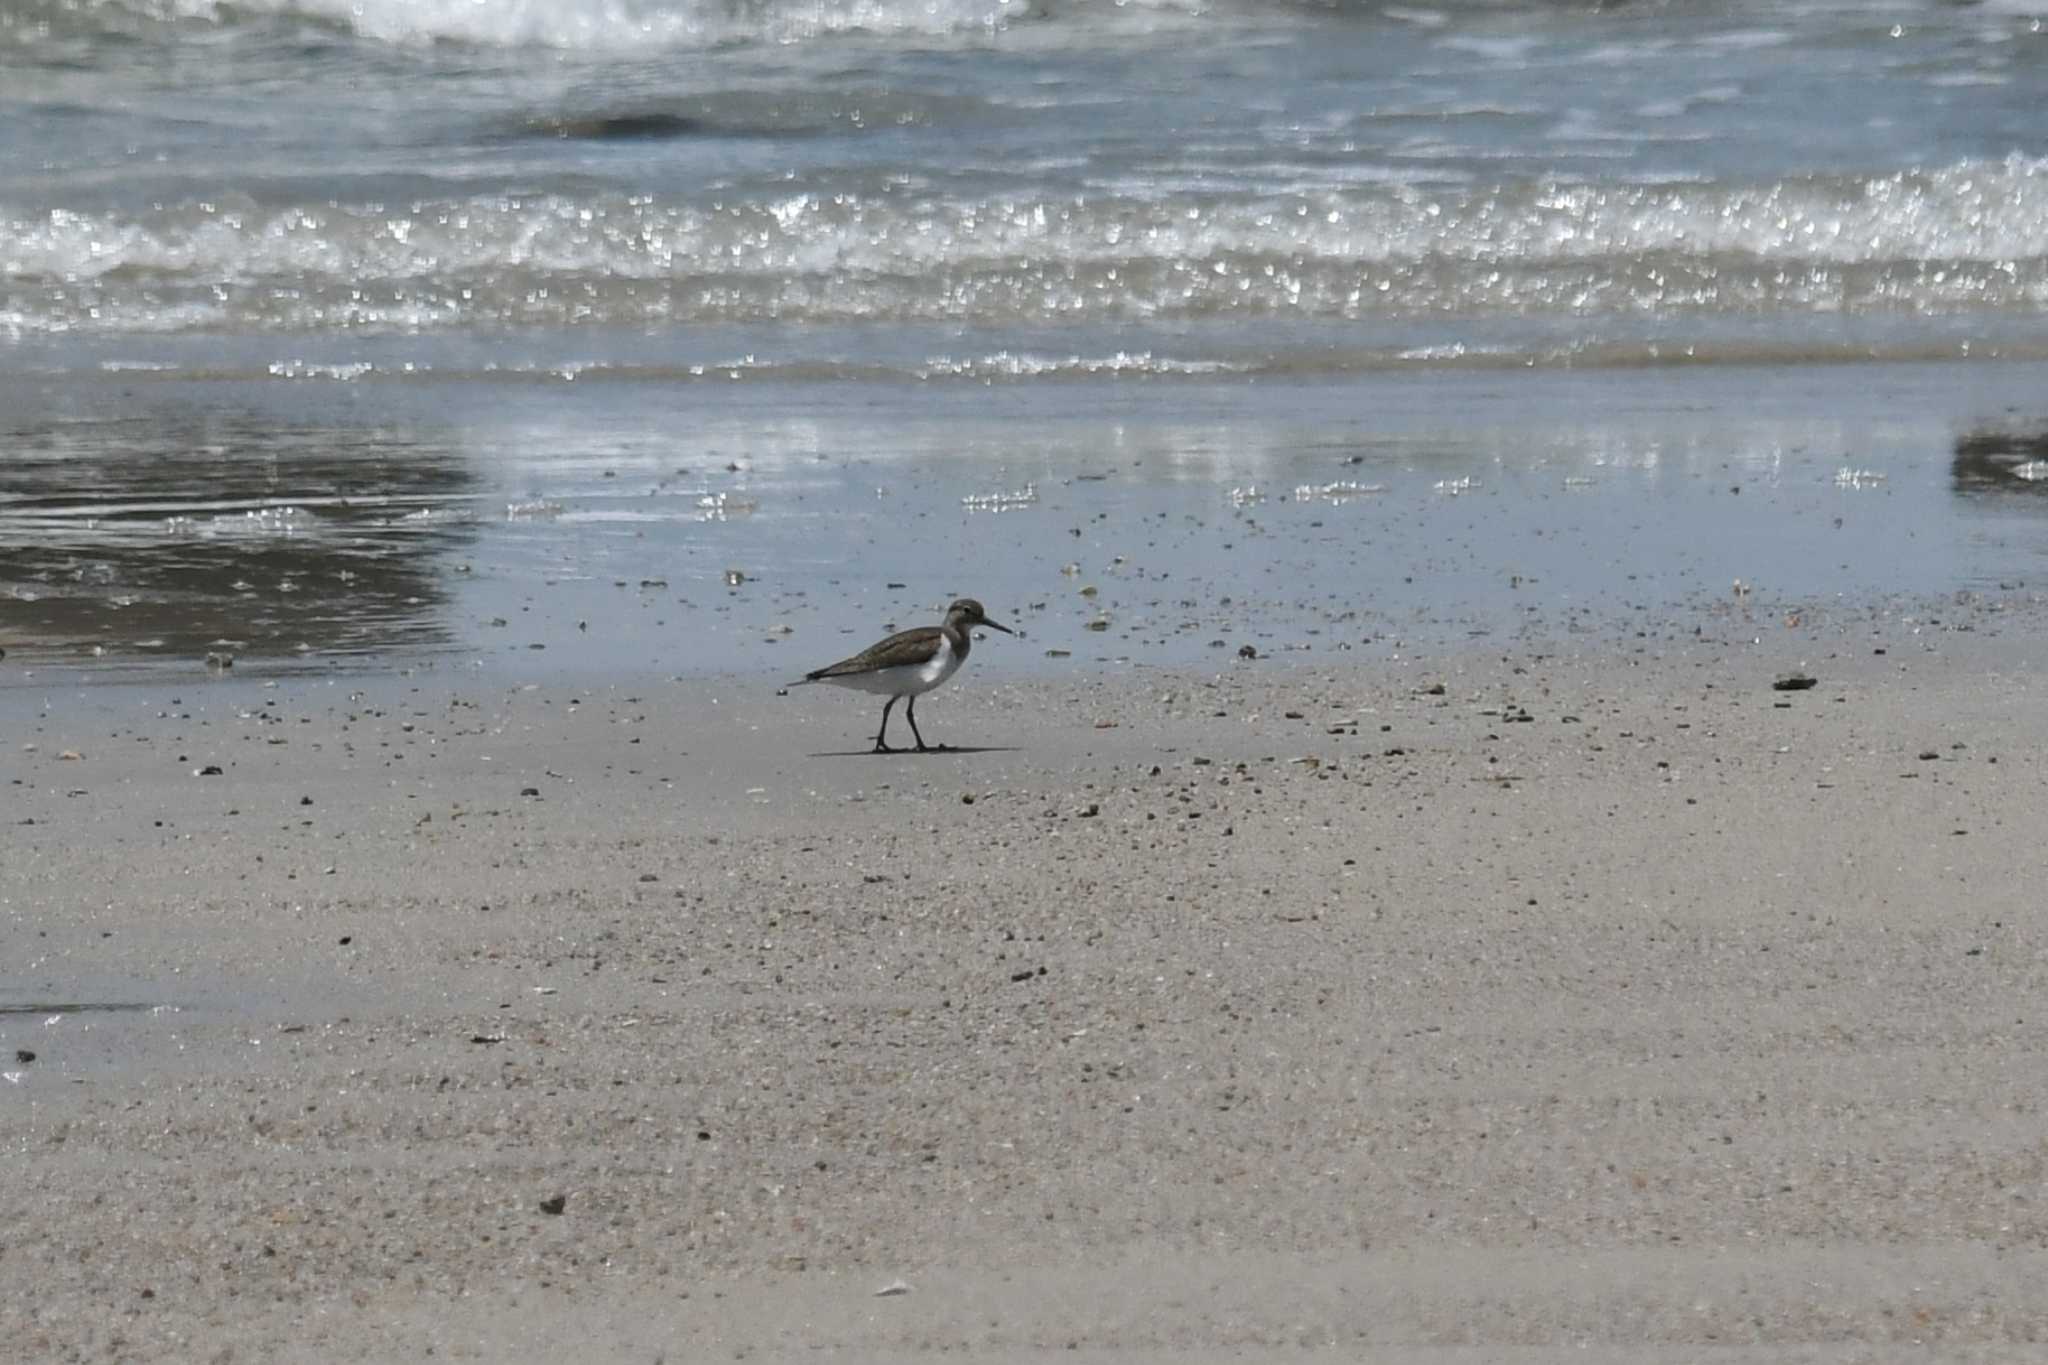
(967, 613)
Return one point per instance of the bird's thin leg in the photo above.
(910, 712)
(882, 735)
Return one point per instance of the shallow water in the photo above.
(560, 526)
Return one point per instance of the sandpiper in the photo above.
(909, 664)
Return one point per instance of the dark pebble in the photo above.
(24, 1056)
(554, 1205)
(1794, 682)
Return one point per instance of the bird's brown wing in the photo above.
(905, 647)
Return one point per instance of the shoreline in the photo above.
(618, 530)
(1473, 1037)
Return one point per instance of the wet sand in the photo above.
(528, 527)
(1513, 1004)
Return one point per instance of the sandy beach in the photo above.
(1483, 1005)
(1512, 830)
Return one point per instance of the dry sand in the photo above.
(1606, 1007)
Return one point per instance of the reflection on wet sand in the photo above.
(2001, 462)
(534, 526)
(176, 531)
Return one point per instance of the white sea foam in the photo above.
(611, 25)
(256, 523)
(1003, 500)
(1966, 236)
(1339, 490)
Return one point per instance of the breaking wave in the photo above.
(1970, 237)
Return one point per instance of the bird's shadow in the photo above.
(935, 751)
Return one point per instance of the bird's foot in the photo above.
(881, 748)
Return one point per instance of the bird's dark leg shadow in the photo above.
(930, 750)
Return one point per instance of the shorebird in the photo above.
(909, 664)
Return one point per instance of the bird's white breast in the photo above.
(906, 680)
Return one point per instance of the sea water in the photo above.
(342, 331)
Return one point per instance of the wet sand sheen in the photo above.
(537, 529)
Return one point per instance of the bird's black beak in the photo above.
(993, 626)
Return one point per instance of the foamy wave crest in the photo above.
(1012, 365)
(602, 25)
(1971, 237)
